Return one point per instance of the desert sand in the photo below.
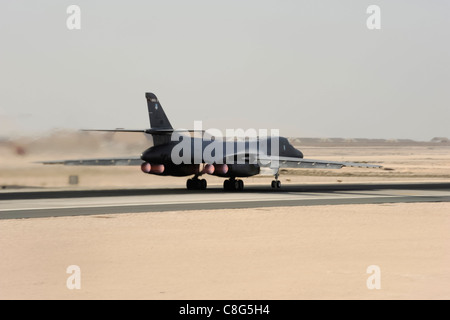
(281, 253)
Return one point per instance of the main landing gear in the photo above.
(233, 184)
(276, 184)
(196, 184)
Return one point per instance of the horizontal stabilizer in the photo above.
(97, 162)
(152, 131)
(288, 162)
(114, 130)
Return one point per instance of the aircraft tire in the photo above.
(189, 184)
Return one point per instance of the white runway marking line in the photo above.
(261, 198)
(421, 193)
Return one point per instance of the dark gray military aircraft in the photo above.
(231, 159)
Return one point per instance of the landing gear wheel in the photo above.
(276, 184)
(190, 184)
(196, 184)
(233, 184)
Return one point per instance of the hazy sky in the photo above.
(309, 68)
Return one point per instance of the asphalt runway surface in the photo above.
(60, 203)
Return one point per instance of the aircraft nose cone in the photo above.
(143, 157)
(299, 154)
(147, 155)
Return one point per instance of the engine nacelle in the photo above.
(146, 167)
(152, 168)
(221, 169)
(157, 169)
(209, 169)
(236, 170)
(215, 169)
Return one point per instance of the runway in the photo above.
(44, 203)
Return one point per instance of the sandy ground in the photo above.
(280, 253)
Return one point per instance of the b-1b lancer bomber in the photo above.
(183, 153)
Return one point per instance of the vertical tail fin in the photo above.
(158, 119)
